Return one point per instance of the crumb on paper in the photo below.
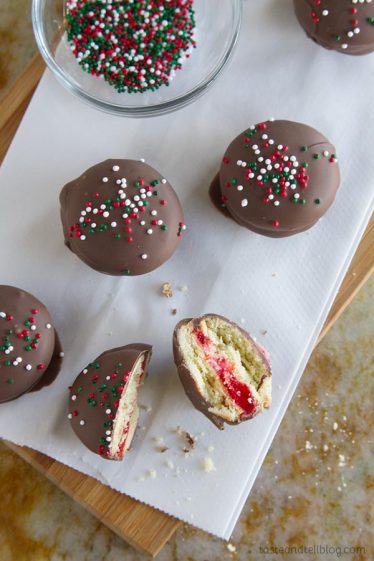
(189, 440)
(273, 274)
(170, 464)
(264, 332)
(208, 465)
(174, 312)
(242, 320)
(184, 289)
(158, 440)
(308, 445)
(231, 547)
(146, 408)
(167, 290)
(163, 449)
(152, 473)
(210, 448)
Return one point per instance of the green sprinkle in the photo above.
(316, 156)
(10, 381)
(125, 271)
(7, 363)
(317, 201)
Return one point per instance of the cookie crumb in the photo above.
(208, 465)
(231, 547)
(174, 312)
(335, 426)
(152, 473)
(167, 289)
(184, 289)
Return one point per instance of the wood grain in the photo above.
(145, 528)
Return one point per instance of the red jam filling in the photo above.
(238, 391)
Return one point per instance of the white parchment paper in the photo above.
(284, 287)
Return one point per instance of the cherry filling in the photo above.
(238, 391)
(121, 448)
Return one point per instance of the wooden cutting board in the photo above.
(144, 527)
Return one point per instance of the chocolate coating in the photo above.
(121, 217)
(29, 345)
(94, 398)
(345, 26)
(279, 177)
(188, 382)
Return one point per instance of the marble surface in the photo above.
(315, 489)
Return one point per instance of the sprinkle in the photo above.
(99, 34)
(115, 168)
(105, 180)
(144, 256)
(48, 325)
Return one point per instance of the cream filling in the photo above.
(126, 419)
(228, 343)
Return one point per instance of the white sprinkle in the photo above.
(83, 237)
(108, 411)
(70, 416)
(108, 438)
(48, 325)
(28, 367)
(244, 202)
(113, 224)
(240, 187)
(73, 397)
(276, 203)
(149, 231)
(163, 181)
(33, 327)
(61, 355)
(105, 180)
(2, 315)
(154, 212)
(82, 422)
(144, 256)
(325, 12)
(85, 371)
(115, 168)
(142, 160)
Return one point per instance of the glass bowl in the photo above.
(217, 28)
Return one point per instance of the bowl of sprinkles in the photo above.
(136, 58)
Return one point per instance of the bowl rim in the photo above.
(133, 111)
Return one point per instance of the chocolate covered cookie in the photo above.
(226, 375)
(346, 26)
(278, 178)
(30, 350)
(103, 406)
(121, 217)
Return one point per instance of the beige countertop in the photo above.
(315, 489)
